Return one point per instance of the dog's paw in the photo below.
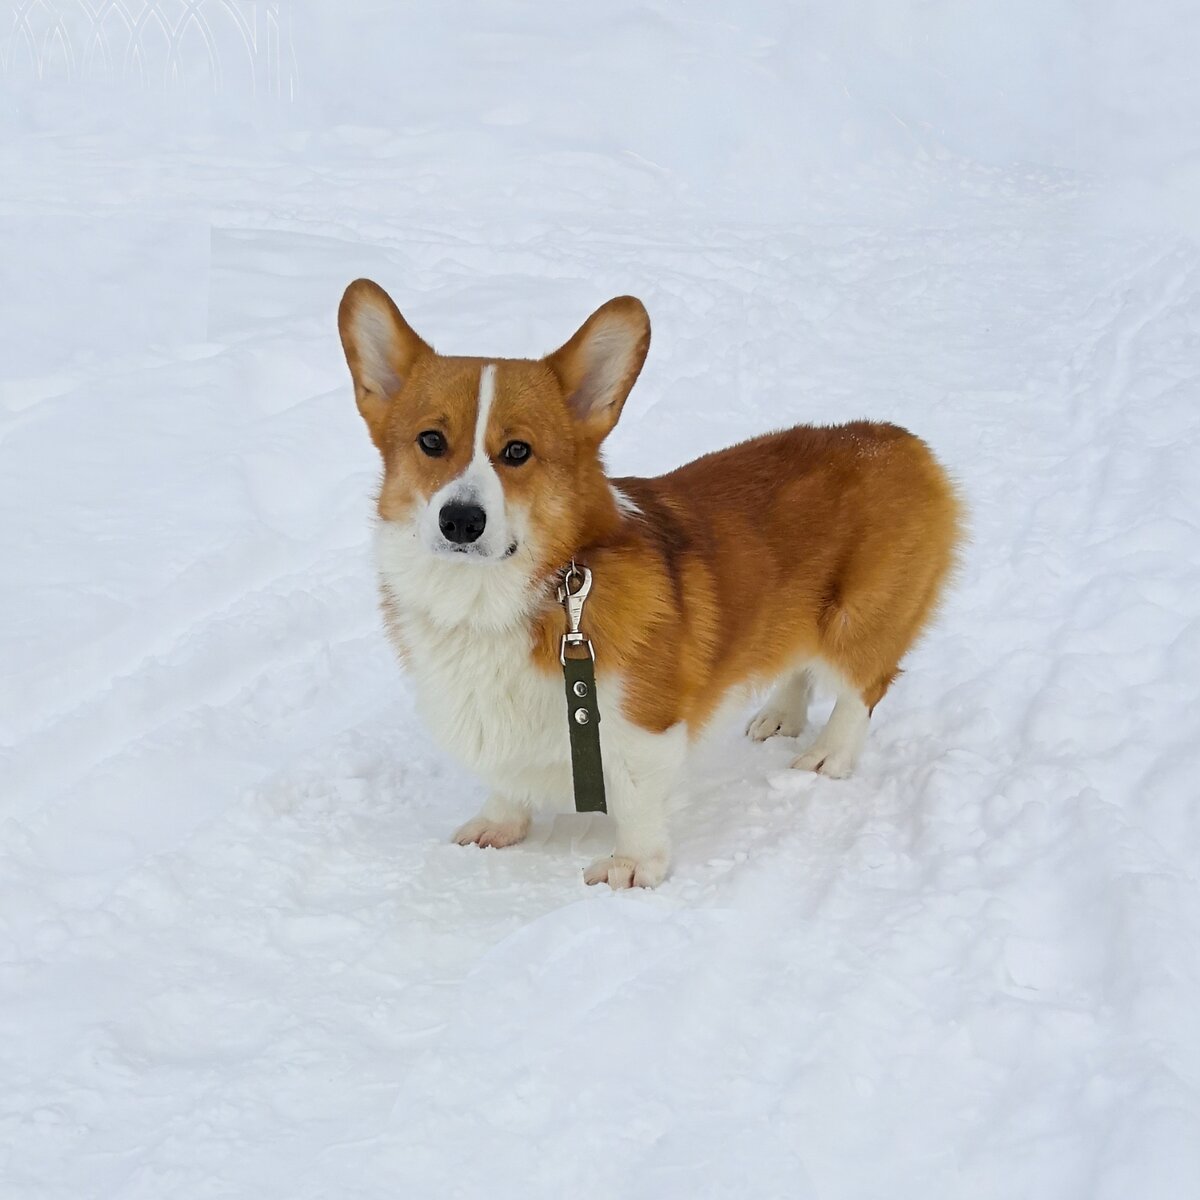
(771, 721)
(484, 831)
(836, 764)
(620, 872)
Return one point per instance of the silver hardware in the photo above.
(582, 716)
(580, 688)
(573, 601)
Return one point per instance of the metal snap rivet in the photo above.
(582, 716)
(580, 688)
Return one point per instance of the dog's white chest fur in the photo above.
(485, 702)
(467, 648)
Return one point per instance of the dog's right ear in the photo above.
(381, 350)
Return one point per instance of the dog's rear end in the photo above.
(810, 554)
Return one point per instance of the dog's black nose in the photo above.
(461, 523)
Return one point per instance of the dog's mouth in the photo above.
(473, 552)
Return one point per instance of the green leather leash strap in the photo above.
(583, 712)
(584, 722)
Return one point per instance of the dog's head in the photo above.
(489, 462)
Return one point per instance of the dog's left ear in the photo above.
(599, 365)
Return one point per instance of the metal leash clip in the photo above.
(573, 602)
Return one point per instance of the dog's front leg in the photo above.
(641, 771)
(501, 822)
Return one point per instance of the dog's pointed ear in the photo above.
(381, 350)
(599, 365)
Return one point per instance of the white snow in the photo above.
(239, 956)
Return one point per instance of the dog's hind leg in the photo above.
(786, 711)
(837, 747)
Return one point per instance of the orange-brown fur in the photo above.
(827, 543)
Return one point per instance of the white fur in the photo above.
(627, 506)
(465, 627)
(837, 747)
(483, 414)
(641, 771)
(786, 712)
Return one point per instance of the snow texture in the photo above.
(239, 956)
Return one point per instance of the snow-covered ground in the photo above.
(239, 957)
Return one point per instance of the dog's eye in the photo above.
(432, 442)
(515, 453)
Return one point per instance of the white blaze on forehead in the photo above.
(479, 484)
(487, 394)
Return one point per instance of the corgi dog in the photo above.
(810, 554)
